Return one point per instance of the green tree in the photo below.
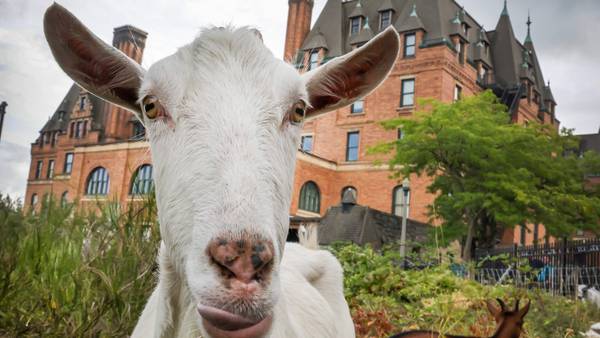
(489, 174)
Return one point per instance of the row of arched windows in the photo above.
(310, 198)
(98, 181)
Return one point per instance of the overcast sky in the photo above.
(33, 84)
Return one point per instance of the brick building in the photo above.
(89, 149)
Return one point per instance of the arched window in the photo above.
(142, 182)
(352, 189)
(97, 183)
(64, 199)
(34, 200)
(398, 201)
(310, 198)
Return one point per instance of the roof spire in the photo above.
(529, 22)
(414, 9)
(505, 10)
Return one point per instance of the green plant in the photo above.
(76, 274)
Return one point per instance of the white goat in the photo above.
(223, 118)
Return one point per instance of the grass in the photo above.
(68, 273)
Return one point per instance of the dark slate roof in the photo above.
(409, 20)
(363, 225)
(439, 19)
(589, 142)
(59, 121)
(316, 41)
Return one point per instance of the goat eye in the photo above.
(150, 106)
(297, 113)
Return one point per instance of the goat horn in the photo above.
(502, 305)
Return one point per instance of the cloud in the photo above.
(14, 166)
(34, 85)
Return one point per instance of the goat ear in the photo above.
(525, 309)
(96, 66)
(350, 77)
(495, 311)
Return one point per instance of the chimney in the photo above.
(298, 26)
(131, 41)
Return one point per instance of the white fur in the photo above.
(226, 164)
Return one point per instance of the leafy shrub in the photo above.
(70, 274)
(385, 299)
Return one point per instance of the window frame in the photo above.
(312, 139)
(98, 182)
(64, 198)
(307, 202)
(33, 201)
(39, 167)
(313, 63)
(404, 93)
(457, 93)
(358, 20)
(353, 107)
(406, 45)
(350, 148)
(68, 165)
(144, 185)
(381, 17)
(50, 169)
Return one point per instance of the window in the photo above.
(523, 234)
(354, 25)
(536, 233)
(399, 200)
(307, 143)
(54, 139)
(81, 103)
(313, 60)
(142, 182)
(352, 190)
(78, 129)
(72, 129)
(465, 29)
(50, 172)
(460, 48)
(482, 74)
(385, 19)
(410, 42)
(97, 183)
(357, 107)
(352, 146)
(408, 93)
(310, 198)
(68, 167)
(34, 200)
(64, 199)
(457, 93)
(400, 134)
(38, 169)
(139, 131)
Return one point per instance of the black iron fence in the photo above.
(560, 267)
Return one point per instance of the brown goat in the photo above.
(509, 324)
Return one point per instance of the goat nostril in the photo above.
(245, 260)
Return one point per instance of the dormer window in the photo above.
(313, 60)
(81, 103)
(355, 25)
(465, 28)
(410, 43)
(460, 49)
(385, 19)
